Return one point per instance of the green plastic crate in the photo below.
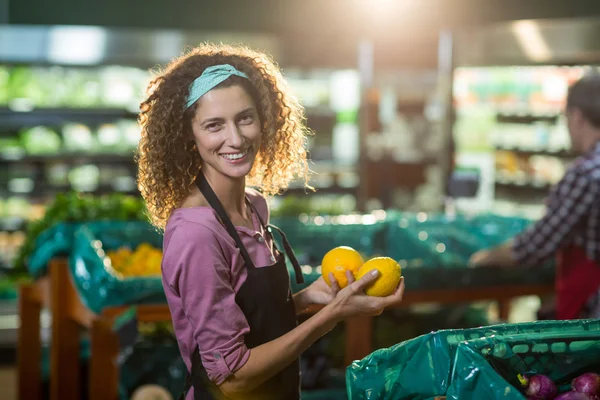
(488, 368)
(96, 286)
(422, 368)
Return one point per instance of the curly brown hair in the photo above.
(167, 157)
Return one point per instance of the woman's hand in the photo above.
(352, 300)
(317, 293)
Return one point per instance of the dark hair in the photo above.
(584, 95)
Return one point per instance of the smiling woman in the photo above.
(216, 120)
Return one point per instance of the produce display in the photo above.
(588, 383)
(538, 387)
(510, 127)
(72, 208)
(143, 261)
(119, 137)
(575, 396)
(113, 86)
(98, 284)
(522, 361)
(541, 387)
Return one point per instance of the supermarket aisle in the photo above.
(8, 383)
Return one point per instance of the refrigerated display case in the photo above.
(509, 93)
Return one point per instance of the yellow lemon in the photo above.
(337, 261)
(389, 276)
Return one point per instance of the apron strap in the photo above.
(214, 202)
(289, 252)
(286, 245)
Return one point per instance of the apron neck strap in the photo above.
(214, 202)
(289, 252)
(286, 245)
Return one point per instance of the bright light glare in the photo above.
(530, 39)
(76, 45)
(376, 3)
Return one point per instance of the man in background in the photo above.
(570, 229)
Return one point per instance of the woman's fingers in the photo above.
(363, 282)
(395, 297)
(350, 277)
(335, 286)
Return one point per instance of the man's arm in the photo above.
(569, 203)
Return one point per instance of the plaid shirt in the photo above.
(572, 217)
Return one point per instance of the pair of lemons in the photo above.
(343, 258)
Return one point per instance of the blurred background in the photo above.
(439, 131)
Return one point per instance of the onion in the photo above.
(538, 387)
(573, 396)
(588, 383)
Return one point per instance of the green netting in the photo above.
(421, 368)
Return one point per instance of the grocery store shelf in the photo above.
(70, 157)
(323, 190)
(525, 118)
(559, 154)
(11, 119)
(44, 190)
(101, 189)
(322, 111)
(527, 188)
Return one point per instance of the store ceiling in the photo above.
(293, 16)
(313, 32)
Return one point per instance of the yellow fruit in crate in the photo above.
(337, 261)
(119, 257)
(389, 276)
(144, 261)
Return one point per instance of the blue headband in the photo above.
(210, 78)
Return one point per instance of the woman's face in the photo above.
(227, 131)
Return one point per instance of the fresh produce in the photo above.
(588, 383)
(538, 387)
(293, 206)
(144, 261)
(40, 140)
(74, 207)
(573, 396)
(541, 387)
(389, 276)
(339, 260)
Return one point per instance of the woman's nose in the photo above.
(234, 136)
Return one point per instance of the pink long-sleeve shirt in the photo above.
(202, 270)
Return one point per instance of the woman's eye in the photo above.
(247, 119)
(212, 127)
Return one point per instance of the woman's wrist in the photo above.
(331, 314)
(302, 300)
